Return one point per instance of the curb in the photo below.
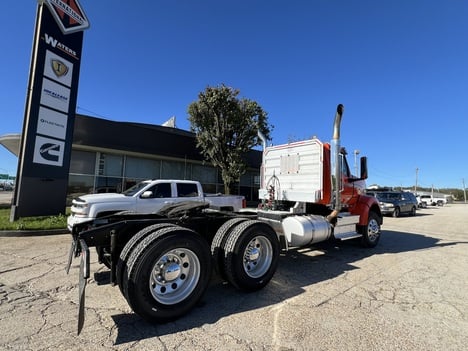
(18, 233)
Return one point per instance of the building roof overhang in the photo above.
(11, 142)
(129, 137)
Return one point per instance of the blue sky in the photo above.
(400, 67)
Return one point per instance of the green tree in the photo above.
(226, 129)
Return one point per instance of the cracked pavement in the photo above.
(409, 293)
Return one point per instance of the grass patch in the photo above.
(32, 223)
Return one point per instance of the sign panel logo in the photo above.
(68, 14)
(55, 95)
(48, 151)
(59, 68)
(52, 123)
(51, 72)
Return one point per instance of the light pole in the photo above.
(356, 152)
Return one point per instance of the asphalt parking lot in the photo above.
(5, 197)
(409, 293)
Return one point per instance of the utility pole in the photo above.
(416, 184)
(464, 189)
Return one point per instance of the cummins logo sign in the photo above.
(68, 14)
(48, 151)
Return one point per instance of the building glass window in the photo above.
(173, 170)
(210, 188)
(246, 179)
(116, 173)
(79, 184)
(82, 162)
(204, 174)
(81, 177)
(110, 165)
(141, 168)
(109, 185)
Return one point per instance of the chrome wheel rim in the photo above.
(257, 257)
(373, 230)
(174, 276)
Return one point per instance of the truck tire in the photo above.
(371, 232)
(121, 267)
(217, 245)
(168, 273)
(251, 255)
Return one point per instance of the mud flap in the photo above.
(84, 275)
(71, 254)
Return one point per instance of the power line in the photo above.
(92, 112)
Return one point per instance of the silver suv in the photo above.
(396, 202)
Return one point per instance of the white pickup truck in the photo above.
(433, 201)
(148, 196)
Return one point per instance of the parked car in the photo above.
(395, 203)
(433, 201)
(421, 202)
(6, 186)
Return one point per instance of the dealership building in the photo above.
(110, 156)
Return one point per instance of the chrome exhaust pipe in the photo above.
(263, 138)
(336, 164)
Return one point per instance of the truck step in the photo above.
(347, 236)
(345, 227)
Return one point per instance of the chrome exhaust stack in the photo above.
(336, 164)
(264, 145)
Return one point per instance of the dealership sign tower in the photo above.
(46, 141)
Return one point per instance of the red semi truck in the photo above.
(162, 262)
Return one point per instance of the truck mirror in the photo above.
(363, 167)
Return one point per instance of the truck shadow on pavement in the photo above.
(298, 269)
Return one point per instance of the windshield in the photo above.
(136, 188)
(387, 196)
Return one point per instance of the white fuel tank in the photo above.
(306, 230)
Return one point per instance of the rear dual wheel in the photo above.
(166, 274)
(121, 267)
(219, 240)
(250, 254)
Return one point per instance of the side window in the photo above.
(161, 190)
(344, 166)
(187, 190)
